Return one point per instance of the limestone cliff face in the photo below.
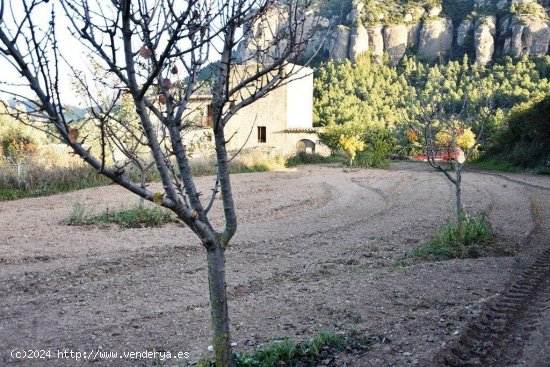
(396, 40)
(376, 41)
(494, 28)
(436, 38)
(359, 42)
(485, 32)
(526, 36)
(339, 44)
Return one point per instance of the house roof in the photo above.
(297, 130)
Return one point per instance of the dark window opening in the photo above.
(261, 134)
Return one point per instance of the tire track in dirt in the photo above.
(68, 281)
(495, 337)
(487, 340)
(391, 200)
(509, 179)
(322, 239)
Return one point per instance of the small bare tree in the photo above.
(156, 50)
(448, 156)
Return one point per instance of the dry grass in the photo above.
(54, 169)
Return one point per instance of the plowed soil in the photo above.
(317, 249)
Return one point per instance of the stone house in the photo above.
(280, 122)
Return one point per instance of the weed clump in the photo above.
(288, 353)
(448, 242)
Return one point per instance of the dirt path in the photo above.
(317, 249)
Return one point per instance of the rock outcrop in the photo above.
(339, 43)
(464, 31)
(414, 34)
(436, 38)
(376, 42)
(494, 28)
(359, 42)
(485, 39)
(396, 39)
(526, 36)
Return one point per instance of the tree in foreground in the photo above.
(154, 51)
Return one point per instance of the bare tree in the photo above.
(155, 50)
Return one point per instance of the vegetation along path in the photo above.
(317, 249)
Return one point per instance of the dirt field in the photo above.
(317, 249)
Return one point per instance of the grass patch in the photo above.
(134, 217)
(288, 353)
(448, 243)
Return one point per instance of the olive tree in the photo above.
(156, 52)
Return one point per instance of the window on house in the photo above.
(261, 134)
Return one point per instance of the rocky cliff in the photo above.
(485, 29)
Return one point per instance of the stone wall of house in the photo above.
(270, 112)
(287, 107)
(300, 99)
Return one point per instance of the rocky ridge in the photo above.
(492, 29)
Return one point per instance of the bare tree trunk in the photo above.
(458, 191)
(167, 34)
(143, 175)
(218, 306)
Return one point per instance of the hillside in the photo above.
(430, 29)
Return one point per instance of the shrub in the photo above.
(351, 145)
(447, 242)
(331, 135)
(465, 139)
(16, 145)
(311, 158)
(379, 144)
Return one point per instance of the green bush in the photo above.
(379, 144)
(311, 158)
(331, 134)
(447, 242)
